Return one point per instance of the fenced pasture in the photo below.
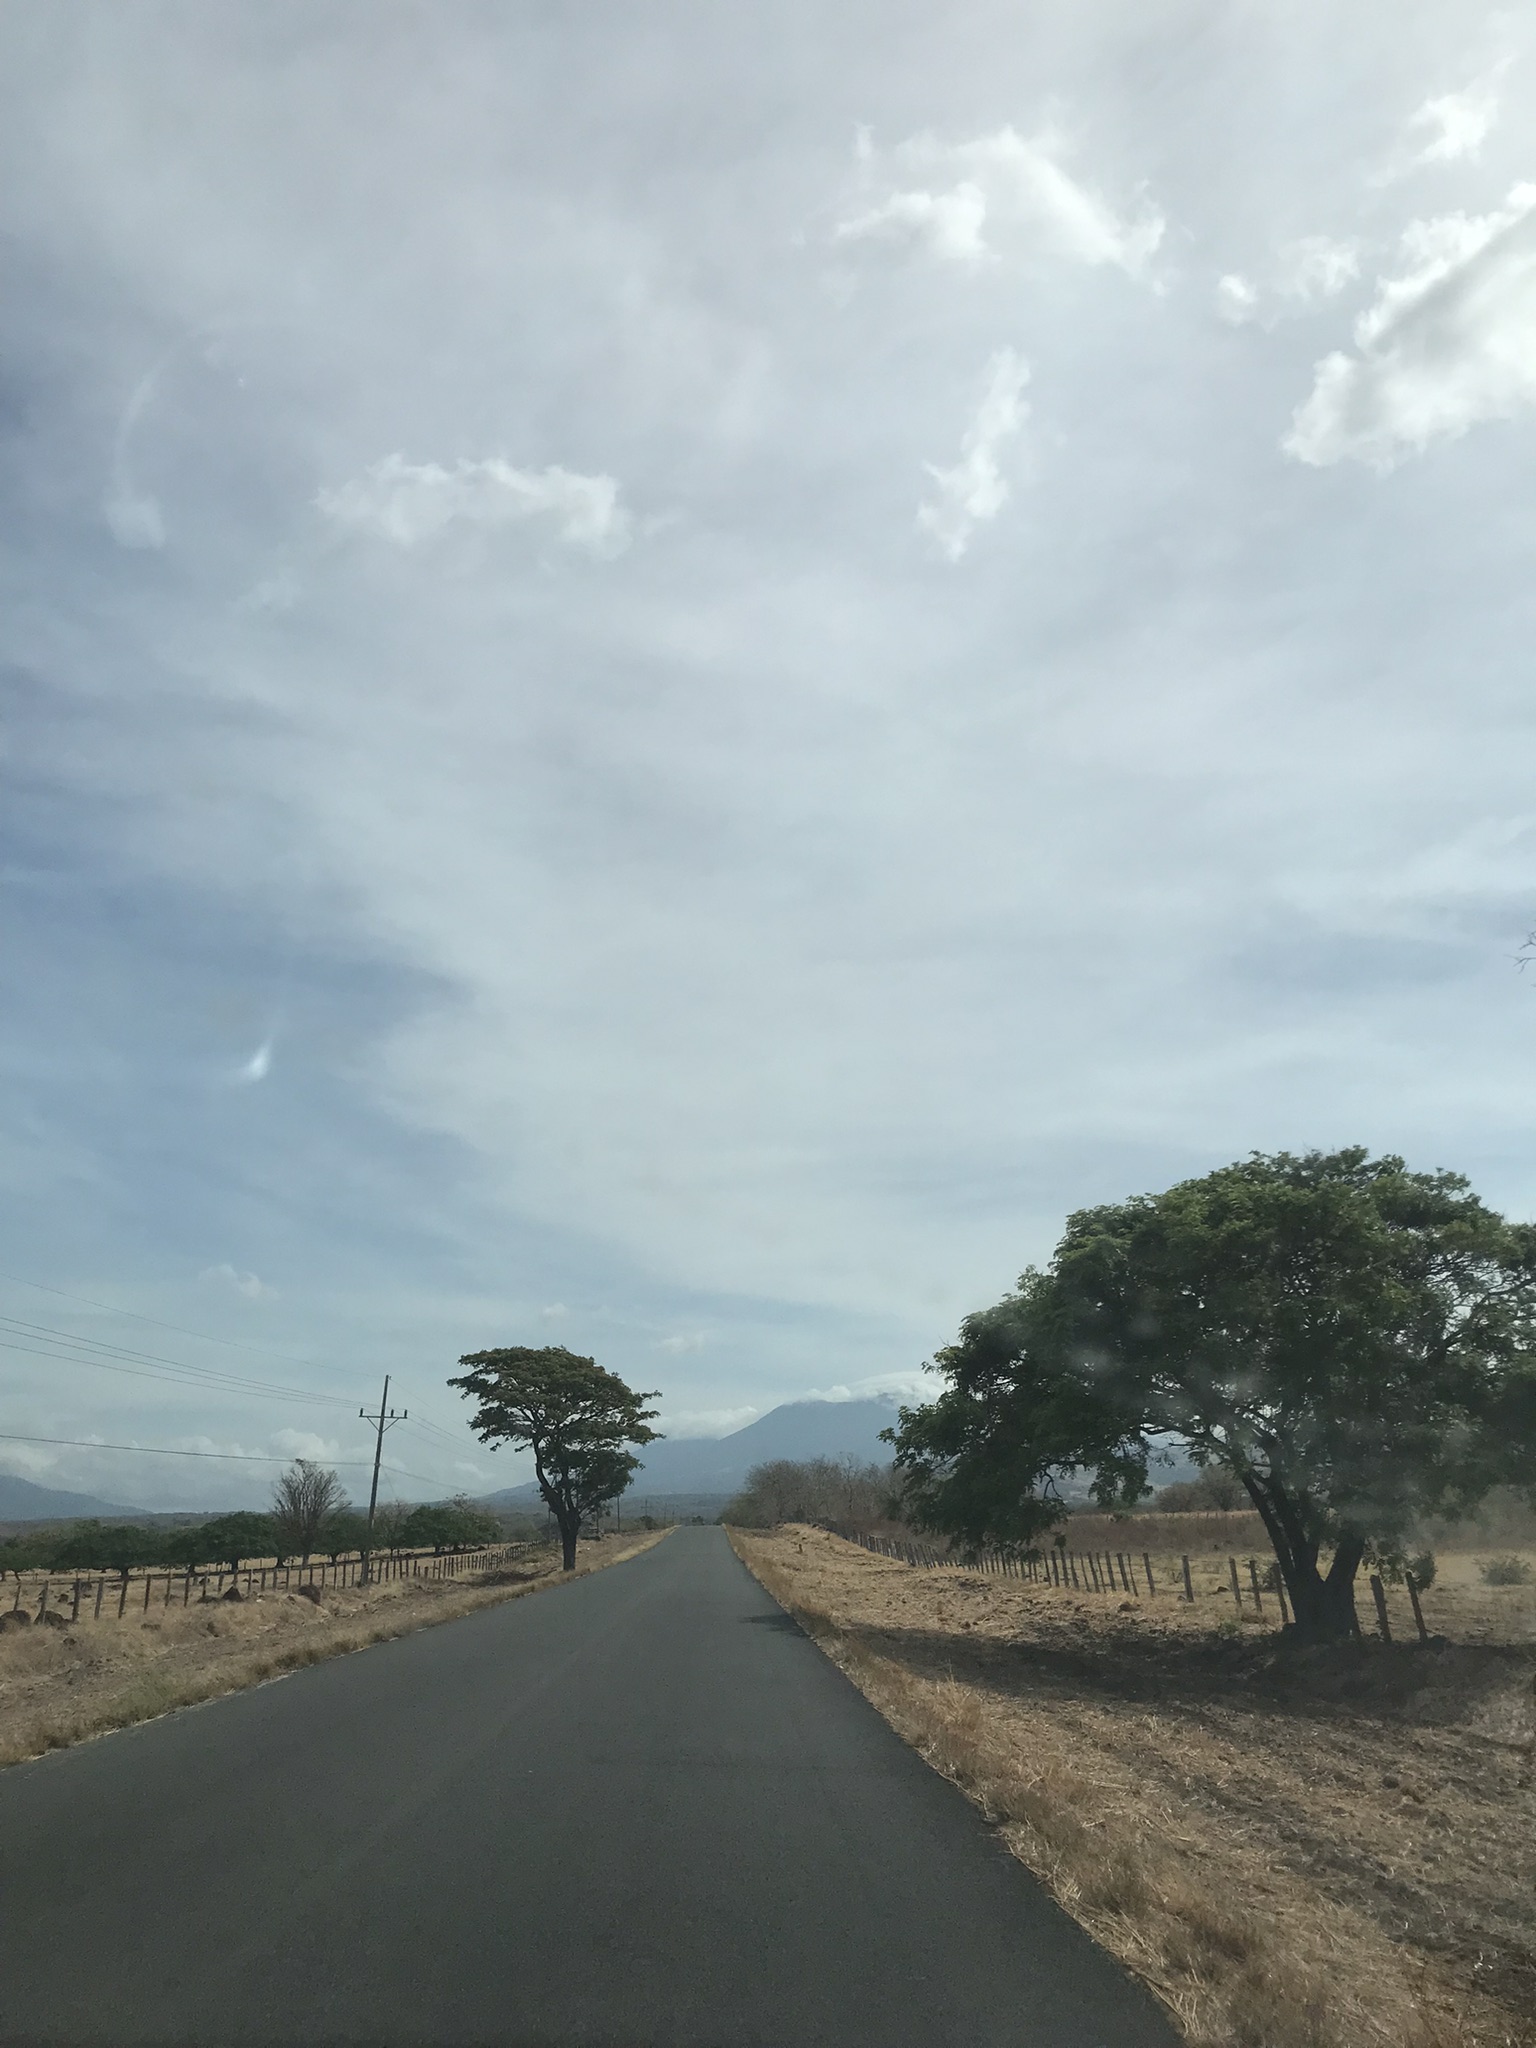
(73, 1598)
(1217, 1570)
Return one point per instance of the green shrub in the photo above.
(1506, 1571)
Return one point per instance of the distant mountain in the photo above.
(719, 1465)
(21, 1501)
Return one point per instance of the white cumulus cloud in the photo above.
(409, 502)
(997, 195)
(1448, 342)
(975, 488)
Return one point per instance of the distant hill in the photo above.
(718, 1465)
(21, 1501)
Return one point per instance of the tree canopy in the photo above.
(1351, 1340)
(575, 1417)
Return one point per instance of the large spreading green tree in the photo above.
(1352, 1341)
(576, 1418)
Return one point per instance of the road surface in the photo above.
(641, 1811)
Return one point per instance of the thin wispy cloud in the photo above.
(1302, 274)
(409, 503)
(974, 489)
(257, 1067)
(997, 196)
(1447, 128)
(225, 1275)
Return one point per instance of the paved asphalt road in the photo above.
(642, 1811)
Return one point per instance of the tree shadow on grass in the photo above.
(1433, 1685)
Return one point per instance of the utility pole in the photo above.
(382, 1420)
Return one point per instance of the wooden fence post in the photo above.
(101, 1587)
(42, 1605)
(1189, 1591)
(122, 1598)
(1237, 1591)
(74, 1612)
(1253, 1573)
(1146, 1565)
(1418, 1612)
(1379, 1595)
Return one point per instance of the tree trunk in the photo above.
(568, 1544)
(1323, 1604)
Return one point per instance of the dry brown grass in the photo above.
(63, 1686)
(1294, 1852)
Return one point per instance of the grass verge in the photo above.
(1243, 1952)
(63, 1687)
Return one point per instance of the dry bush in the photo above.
(1163, 1866)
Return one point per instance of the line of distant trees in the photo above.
(310, 1516)
(845, 1489)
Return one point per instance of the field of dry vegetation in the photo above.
(1296, 1849)
(59, 1686)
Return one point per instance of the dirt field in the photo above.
(1296, 1849)
(59, 1686)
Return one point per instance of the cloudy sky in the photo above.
(672, 673)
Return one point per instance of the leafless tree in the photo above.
(814, 1490)
(303, 1501)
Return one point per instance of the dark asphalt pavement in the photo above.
(642, 1811)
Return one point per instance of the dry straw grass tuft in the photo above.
(58, 1688)
(1139, 1837)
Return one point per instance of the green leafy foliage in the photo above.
(230, 1539)
(1349, 1340)
(573, 1415)
(1506, 1571)
(456, 1524)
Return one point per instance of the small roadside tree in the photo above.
(344, 1532)
(1349, 1340)
(102, 1546)
(228, 1539)
(455, 1524)
(574, 1416)
(303, 1500)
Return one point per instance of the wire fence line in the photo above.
(95, 1596)
(1128, 1573)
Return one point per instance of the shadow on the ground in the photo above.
(786, 1624)
(1432, 1685)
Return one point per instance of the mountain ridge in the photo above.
(719, 1465)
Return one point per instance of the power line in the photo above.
(86, 1443)
(72, 1350)
(181, 1329)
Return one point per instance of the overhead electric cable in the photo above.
(235, 1343)
(69, 1350)
(85, 1443)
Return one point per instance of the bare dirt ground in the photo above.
(1323, 1849)
(59, 1686)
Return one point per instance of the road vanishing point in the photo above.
(640, 1811)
